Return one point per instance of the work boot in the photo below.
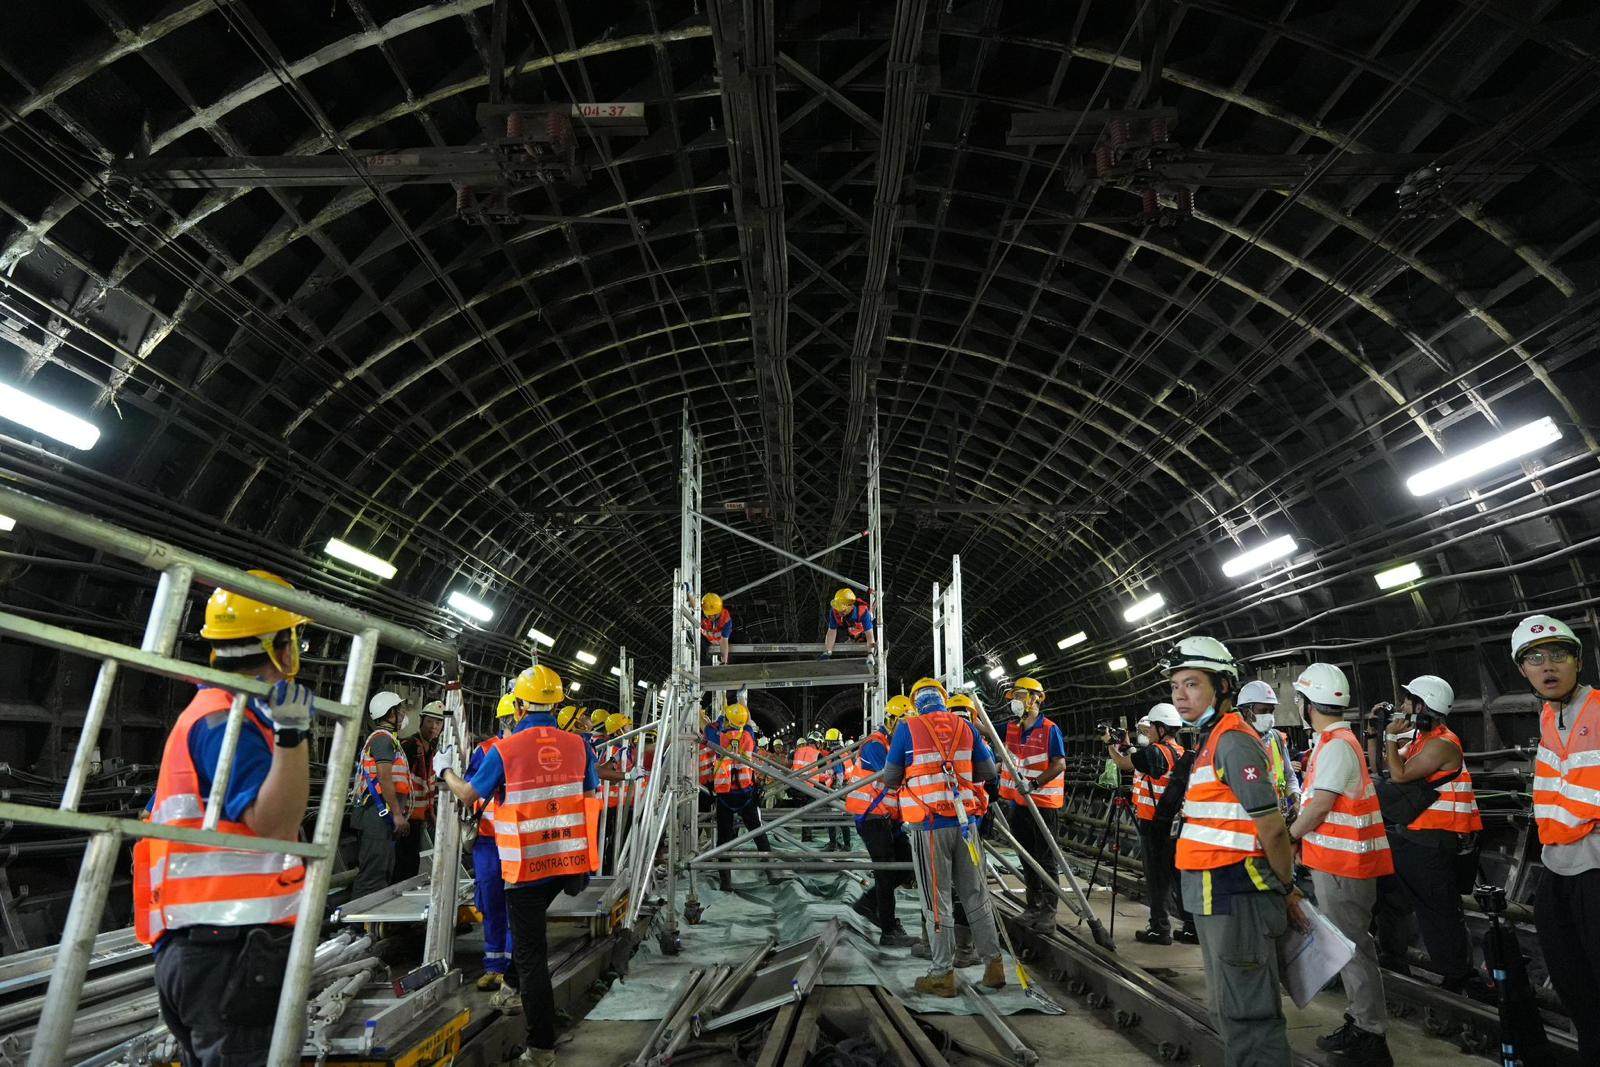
(1153, 937)
(994, 974)
(897, 938)
(536, 1057)
(506, 999)
(1364, 1048)
(488, 981)
(1187, 934)
(921, 949)
(938, 985)
(1339, 1039)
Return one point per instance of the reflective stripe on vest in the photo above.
(423, 787)
(940, 741)
(805, 756)
(1033, 760)
(367, 770)
(1456, 810)
(1566, 778)
(486, 817)
(860, 799)
(1351, 841)
(1217, 831)
(177, 884)
(1148, 791)
(732, 776)
(708, 765)
(545, 825)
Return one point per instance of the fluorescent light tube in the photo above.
(573, 687)
(1076, 639)
(7, 524)
(997, 673)
(1023, 661)
(1506, 448)
(587, 657)
(616, 672)
(357, 558)
(1143, 608)
(543, 638)
(644, 685)
(1260, 556)
(1406, 572)
(46, 419)
(469, 607)
(1118, 664)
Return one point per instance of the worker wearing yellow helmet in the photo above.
(488, 887)
(876, 808)
(1040, 752)
(735, 784)
(541, 780)
(835, 771)
(567, 718)
(266, 797)
(716, 626)
(845, 612)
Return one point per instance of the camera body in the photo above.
(1491, 898)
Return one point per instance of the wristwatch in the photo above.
(288, 737)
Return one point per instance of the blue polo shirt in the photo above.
(490, 774)
(714, 736)
(251, 762)
(872, 755)
(835, 621)
(1055, 746)
(900, 750)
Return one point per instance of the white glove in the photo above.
(1024, 787)
(290, 704)
(444, 760)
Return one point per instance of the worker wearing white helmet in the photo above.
(381, 796)
(1258, 702)
(1424, 757)
(1566, 810)
(419, 744)
(1153, 761)
(1342, 841)
(1234, 857)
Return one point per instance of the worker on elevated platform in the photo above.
(876, 808)
(488, 887)
(1341, 838)
(1152, 761)
(1421, 751)
(1234, 857)
(736, 783)
(852, 616)
(833, 777)
(716, 627)
(220, 920)
(1041, 755)
(1258, 703)
(380, 797)
(419, 749)
(546, 814)
(942, 762)
(1566, 810)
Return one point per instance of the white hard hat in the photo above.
(1433, 691)
(1536, 629)
(1201, 653)
(433, 709)
(1165, 715)
(1257, 692)
(382, 704)
(1323, 683)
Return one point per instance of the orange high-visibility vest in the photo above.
(423, 787)
(1217, 831)
(732, 776)
(1147, 791)
(1456, 810)
(176, 884)
(486, 817)
(1566, 778)
(623, 756)
(367, 771)
(1033, 759)
(1351, 841)
(940, 741)
(545, 825)
(805, 756)
(708, 765)
(859, 799)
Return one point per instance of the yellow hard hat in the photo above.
(616, 722)
(231, 617)
(1031, 685)
(899, 706)
(565, 716)
(538, 685)
(960, 700)
(737, 715)
(711, 605)
(506, 708)
(928, 683)
(844, 600)
(833, 734)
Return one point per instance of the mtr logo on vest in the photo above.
(549, 757)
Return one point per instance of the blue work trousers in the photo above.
(489, 895)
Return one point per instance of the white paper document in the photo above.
(1308, 959)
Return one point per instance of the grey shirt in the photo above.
(1584, 853)
(1241, 762)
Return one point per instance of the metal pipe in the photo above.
(224, 772)
(785, 553)
(77, 943)
(784, 820)
(780, 572)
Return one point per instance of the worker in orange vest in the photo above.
(488, 887)
(876, 808)
(1566, 810)
(1234, 856)
(419, 748)
(1041, 755)
(543, 781)
(1152, 760)
(735, 783)
(807, 751)
(380, 796)
(1420, 747)
(220, 920)
(716, 626)
(1341, 838)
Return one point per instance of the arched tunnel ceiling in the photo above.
(827, 224)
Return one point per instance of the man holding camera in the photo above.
(1152, 761)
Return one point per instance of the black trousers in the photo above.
(218, 988)
(1424, 884)
(1022, 825)
(886, 843)
(1161, 890)
(1566, 911)
(839, 836)
(408, 852)
(529, 974)
(746, 808)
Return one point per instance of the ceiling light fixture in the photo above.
(1144, 608)
(1260, 556)
(472, 609)
(7, 524)
(573, 687)
(1023, 661)
(1076, 639)
(46, 419)
(616, 672)
(997, 673)
(1120, 663)
(543, 638)
(1504, 449)
(587, 657)
(1396, 576)
(354, 556)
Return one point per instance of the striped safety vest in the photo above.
(708, 764)
(367, 771)
(486, 817)
(1217, 831)
(423, 787)
(861, 798)
(732, 776)
(1566, 777)
(177, 884)
(545, 825)
(1147, 791)
(1350, 841)
(1456, 810)
(1277, 761)
(805, 756)
(623, 756)
(1033, 759)
(941, 757)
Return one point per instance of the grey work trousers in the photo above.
(374, 851)
(1348, 904)
(945, 871)
(1241, 957)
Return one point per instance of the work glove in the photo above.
(1024, 787)
(444, 760)
(290, 704)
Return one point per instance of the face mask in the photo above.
(1205, 717)
(1265, 722)
(1018, 709)
(1143, 739)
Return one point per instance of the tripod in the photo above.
(1112, 834)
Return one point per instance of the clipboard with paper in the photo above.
(1308, 959)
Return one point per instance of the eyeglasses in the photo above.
(1539, 658)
